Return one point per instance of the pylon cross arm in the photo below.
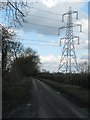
(68, 53)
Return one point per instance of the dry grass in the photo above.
(73, 90)
(14, 95)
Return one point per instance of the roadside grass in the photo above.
(14, 94)
(75, 91)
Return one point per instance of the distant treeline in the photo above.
(80, 79)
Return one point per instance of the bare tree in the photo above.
(7, 36)
(84, 67)
(16, 50)
(28, 64)
(15, 10)
(88, 66)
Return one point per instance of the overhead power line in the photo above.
(47, 18)
(48, 67)
(38, 40)
(46, 11)
(43, 25)
(42, 44)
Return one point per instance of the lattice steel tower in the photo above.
(68, 61)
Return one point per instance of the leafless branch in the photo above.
(15, 11)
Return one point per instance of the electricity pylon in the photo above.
(68, 62)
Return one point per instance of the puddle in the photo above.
(28, 104)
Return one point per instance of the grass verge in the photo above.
(14, 95)
(76, 92)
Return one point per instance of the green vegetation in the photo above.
(76, 92)
(15, 94)
(74, 85)
(79, 79)
(19, 64)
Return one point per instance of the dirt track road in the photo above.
(46, 102)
